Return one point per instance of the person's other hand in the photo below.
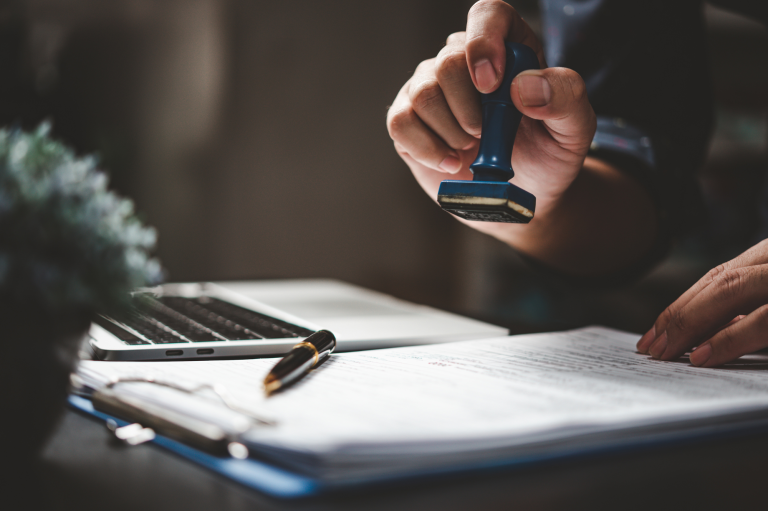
(724, 315)
(435, 120)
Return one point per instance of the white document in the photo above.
(420, 406)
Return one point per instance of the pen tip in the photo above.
(271, 385)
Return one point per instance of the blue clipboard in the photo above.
(281, 483)
(249, 472)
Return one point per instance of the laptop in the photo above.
(267, 318)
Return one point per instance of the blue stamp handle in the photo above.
(501, 119)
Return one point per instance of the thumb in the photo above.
(558, 97)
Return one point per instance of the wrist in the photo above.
(551, 188)
(603, 222)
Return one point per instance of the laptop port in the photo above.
(205, 351)
(173, 353)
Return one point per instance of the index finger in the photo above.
(754, 256)
(489, 24)
(736, 292)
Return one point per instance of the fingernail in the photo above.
(658, 347)
(700, 355)
(485, 75)
(534, 90)
(450, 164)
(646, 340)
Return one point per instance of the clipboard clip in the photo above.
(132, 434)
(145, 418)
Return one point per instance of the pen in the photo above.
(303, 357)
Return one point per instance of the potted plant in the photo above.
(69, 248)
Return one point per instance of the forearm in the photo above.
(591, 219)
(604, 222)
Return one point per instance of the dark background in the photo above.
(252, 135)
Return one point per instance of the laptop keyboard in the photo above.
(174, 319)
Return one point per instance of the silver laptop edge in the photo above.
(361, 319)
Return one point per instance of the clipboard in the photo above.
(249, 472)
(280, 483)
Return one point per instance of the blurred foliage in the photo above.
(67, 244)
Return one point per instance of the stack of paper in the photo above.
(408, 410)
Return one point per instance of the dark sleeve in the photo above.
(646, 70)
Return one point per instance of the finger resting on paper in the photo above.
(740, 338)
(664, 319)
(734, 292)
(756, 255)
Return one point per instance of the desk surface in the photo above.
(84, 470)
